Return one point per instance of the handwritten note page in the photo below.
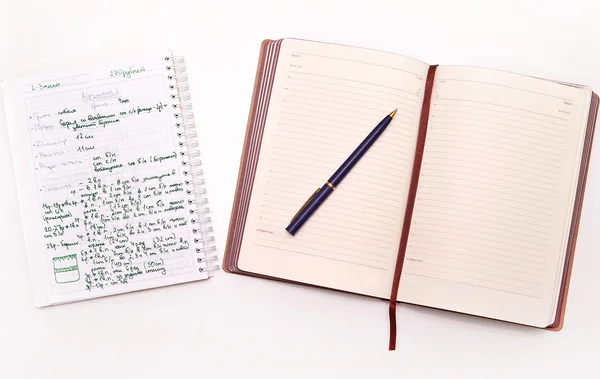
(325, 101)
(492, 215)
(100, 181)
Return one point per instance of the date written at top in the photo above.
(56, 83)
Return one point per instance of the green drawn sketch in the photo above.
(66, 269)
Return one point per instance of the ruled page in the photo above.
(101, 185)
(495, 195)
(326, 99)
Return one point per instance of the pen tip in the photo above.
(393, 113)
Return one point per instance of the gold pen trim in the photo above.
(305, 204)
(330, 185)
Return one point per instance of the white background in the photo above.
(233, 326)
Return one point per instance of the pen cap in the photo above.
(308, 209)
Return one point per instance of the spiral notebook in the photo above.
(110, 180)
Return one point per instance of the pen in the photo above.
(322, 193)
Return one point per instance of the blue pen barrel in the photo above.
(357, 154)
(308, 209)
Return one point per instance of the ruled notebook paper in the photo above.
(100, 181)
(492, 215)
(325, 100)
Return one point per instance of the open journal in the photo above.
(109, 179)
(469, 201)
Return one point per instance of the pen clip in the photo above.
(305, 204)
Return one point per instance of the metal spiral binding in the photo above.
(190, 159)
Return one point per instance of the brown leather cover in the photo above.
(230, 257)
(251, 150)
(568, 268)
